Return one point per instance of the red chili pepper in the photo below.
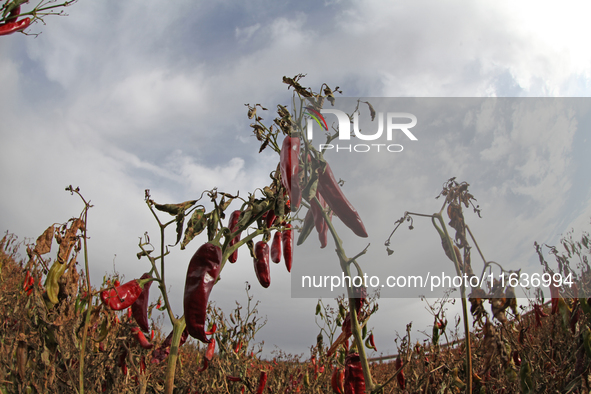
(539, 313)
(238, 347)
(213, 330)
(371, 342)
(336, 200)
(337, 381)
(205, 365)
(141, 338)
(13, 27)
(161, 352)
(270, 218)
(287, 240)
(139, 308)
(123, 296)
(319, 221)
(354, 380)
(233, 226)
(262, 382)
(400, 377)
(516, 358)
(26, 281)
(234, 378)
(129, 313)
(289, 165)
(261, 263)
(122, 362)
(14, 13)
(276, 248)
(210, 350)
(554, 293)
(203, 271)
(117, 283)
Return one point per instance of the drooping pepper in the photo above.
(141, 338)
(122, 297)
(354, 380)
(319, 221)
(13, 27)
(400, 376)
(210, 350)
(203, 271)
(261, 263)
(270, 218)
(161, 352)
(336, 200)
(139, 308)
(306, 227)
(337, 381)
(287, 241)
(262, 382)
(233, 226)
(276, 248)
(51, 282)
(289, 165)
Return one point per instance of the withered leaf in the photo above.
(43, 244)
(264, 145)
(372, 111)
(194, 227)
(175, 209)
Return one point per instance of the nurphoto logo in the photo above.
(395, 122)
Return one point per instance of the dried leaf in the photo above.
(175, 209)
(44, 241)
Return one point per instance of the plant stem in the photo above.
(177, 330)
(445, 235)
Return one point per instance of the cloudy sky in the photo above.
(119, 97)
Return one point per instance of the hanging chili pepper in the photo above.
(287, 240)
(139, 308)
(51, 281)
(233, 226)
(14, 13)
(164, 349)
(289, 165)
(124, 296)
(319, 221)
(270, 218)
(210, 349)
(306, 227)
(203, 271)
(262, 382)
(205, 365)
(337, 381)
(336, 200)
(555, 294)
(261, 263)
(276, 248)
(141, 338)
(122, 361)
(13, 27)
(400, 376)
(354, 380)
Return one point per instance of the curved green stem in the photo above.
(445, 236)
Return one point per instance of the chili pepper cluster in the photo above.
(12, 25)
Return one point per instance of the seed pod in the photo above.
(276, 248)
(233, 226)
(210, 350)
(122, 297)
(261, 263)
(289, 165)
(354, 379)
(202, 273)
(139, 308)
(287, 240)
(262, 382)
(400, 376)
(141, 338)
(337, 381)
(336, 200)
